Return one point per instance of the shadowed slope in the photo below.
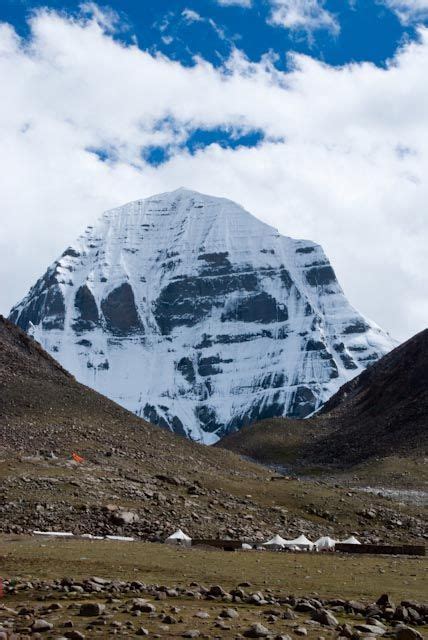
(382, 412)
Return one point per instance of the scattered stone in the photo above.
(125, 517)
(385, 602)
(192, 633)
(372, 629)
(326, 618)
(41, 625)
(89, 609)
(257, 630)
(74, 635)
(217, 591)
(407, 633)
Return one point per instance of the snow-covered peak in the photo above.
(190, 311)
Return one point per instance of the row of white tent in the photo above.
(302, 543)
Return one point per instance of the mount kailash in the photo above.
(194, 314)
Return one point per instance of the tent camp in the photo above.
(179, 538)
(325, 543)
(277, 542)
(302, 543)
(351, 540)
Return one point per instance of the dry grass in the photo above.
(329, 575)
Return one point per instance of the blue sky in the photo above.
(368, 30)
(310, 113)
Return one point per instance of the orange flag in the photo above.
(77, 458)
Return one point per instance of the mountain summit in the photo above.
(197, 316)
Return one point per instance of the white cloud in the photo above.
(306, 15)
(409, 10)
(191, 16)
(350, 174)
(107, 18)
(237, 3)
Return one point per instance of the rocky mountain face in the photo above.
(197, 316)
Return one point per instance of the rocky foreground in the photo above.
(98, 607)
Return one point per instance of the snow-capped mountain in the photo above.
(194, 314)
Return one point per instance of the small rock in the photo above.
(192, 633)
(125, 517)
(74, 635)
(257, 631)
(301, 631)
(217, 591)
(91, 609)
(407, 633)
(139, 604)
(372, 629)
(142, 632)
(385, 601)
(223, 625)
(326, 618)
(229, 613)
(41, 625)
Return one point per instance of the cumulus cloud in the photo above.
(306, 15)
(343, 162)
(409, 10)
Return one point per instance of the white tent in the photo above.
(301, 542)
(277, 542)
(325, 543)
(179, 538)
(351, 540)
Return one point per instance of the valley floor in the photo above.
(29, 560)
